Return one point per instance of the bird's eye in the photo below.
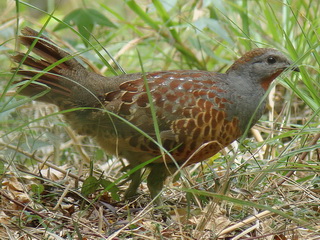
(271, 60)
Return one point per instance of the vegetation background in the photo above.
(263, 187)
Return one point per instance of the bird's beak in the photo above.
(292, 68)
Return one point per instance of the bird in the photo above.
(164, 119)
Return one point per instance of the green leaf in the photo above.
(168, 4)
(99, 18)
(85, 19)
(2, 168)
(111, 188)
(214, 26)
(99, 154)
(37, 188)
(85, 28)
(89, 186)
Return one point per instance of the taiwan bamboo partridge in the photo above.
(198, 112)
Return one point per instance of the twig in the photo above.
(32, 156)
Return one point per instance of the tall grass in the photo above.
(273, 174)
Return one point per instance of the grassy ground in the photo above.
(266, 187)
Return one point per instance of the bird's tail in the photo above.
(56, 73)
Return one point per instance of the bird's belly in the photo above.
(191, 147)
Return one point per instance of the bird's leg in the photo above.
(156, 179)
(135, 182)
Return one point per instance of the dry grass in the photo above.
(264, 187)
